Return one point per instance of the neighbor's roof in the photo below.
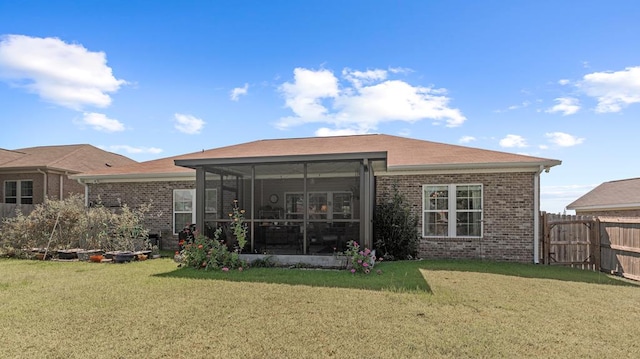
(69, 158)
(619, 194)
(402, 154)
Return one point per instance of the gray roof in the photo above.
(620, 194)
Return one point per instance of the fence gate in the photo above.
(571, 240)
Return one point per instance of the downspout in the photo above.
(86, 192)
(536, 216)
(61, 185)
(46, 184)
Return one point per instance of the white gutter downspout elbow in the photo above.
(536, 216)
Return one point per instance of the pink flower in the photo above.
(365, 264)
(225, 269)
(353, 270)
(367, 251)
(359, 261)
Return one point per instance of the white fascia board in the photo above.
(607, 207)
(146, 177)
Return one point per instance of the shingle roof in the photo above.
(614, 194)
(402, 153)
(71, 158)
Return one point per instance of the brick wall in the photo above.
(134, 194)
(508, 215)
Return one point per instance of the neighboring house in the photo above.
(614, 198)
(29, 175)
(311, 195)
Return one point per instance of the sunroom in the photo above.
(298, 204)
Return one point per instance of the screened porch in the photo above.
(293, 204)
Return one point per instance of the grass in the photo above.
(461, 309)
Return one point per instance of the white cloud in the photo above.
(239, 91)
(563, 139)
(326, 132)
(514, 107)
(466, 139)
(565, 105)
(188, 124)
(563, 82)
(400, 70)
(367, 99)
(359, 78)
(135, 150)
(101, 122)
(511, 141)
(65, 74)
(613, 90)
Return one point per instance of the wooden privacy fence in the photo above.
(609, 244)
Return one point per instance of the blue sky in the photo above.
(151, 79)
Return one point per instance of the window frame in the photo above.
(19, 197)
(329, 214)
(452, 211)
(208, 210)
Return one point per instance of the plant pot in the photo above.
(68, 254)
(123, 257)
(96, 258)
(86, 255)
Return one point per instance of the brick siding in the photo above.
(508, 215)
(134, 194)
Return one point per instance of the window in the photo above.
(452, 210)
(322, 205)
(184, 202)
(18, 192)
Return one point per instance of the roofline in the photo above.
(35, 169)
(534, 166)
(134, 177)
(605, 207)
(352, 156)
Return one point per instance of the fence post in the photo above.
(546, 237)
(596, 244)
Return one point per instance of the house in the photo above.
(29, 175)
(311, 195)
(614, 198)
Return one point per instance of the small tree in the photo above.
(395, 228)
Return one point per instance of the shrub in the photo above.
(207, 253)
(360, 260)
(67, 223)
(395, 228)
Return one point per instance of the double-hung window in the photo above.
(18, 192)
(322, 205)
(184, 204)
(452, 210)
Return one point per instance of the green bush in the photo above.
(209, 253)
(395, 228)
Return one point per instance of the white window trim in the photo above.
(193, 205)
(19, 195)
(451, 212)
(330, 208)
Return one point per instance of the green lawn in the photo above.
(412, 310)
